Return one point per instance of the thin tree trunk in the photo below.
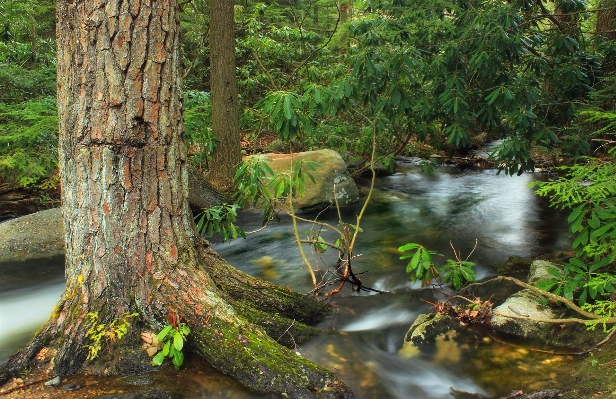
(606, 20)
(225, 121)
(131, 244)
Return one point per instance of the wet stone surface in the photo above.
(138, 380)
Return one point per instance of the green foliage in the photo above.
(256, 183)
(473, 66)
(28, 140)
(606, 309)
(28, 112)
(198, 126)
(285, 110)
(589, 191)
(219, 219)
(580, 279)
(458, 272)
(19, 84)
(99, 332)
(172, 340)
(422, 268)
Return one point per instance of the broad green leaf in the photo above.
(158, 359)
(163, 333)
(406, 247)
(178, 341)
(575, 213)
(166, 348)
(178, 360)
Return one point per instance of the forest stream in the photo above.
(363, 340)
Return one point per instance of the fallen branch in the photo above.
(558, 298)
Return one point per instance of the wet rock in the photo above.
(71, 387)
(526, 303)
(135, 363)
(428, 326)
(148, 393)
(539, 271)
(138, 380)
(333, 171)
(545, 394)
(55, 382)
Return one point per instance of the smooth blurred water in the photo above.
(363, 339)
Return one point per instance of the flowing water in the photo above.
(363, 342)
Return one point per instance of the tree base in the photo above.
(238, 324)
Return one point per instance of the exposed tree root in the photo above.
(235, 330)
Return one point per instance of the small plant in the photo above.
(422, 268)
(172, 340)
(101, 332)
(219, 219)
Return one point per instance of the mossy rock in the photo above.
(331, 174)
(427, 327)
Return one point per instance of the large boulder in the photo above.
(38, 235)
(332, 173)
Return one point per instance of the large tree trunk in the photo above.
(131, 244)
(225, 120)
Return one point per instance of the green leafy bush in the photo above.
(219, 219)
(198, 126)
(28, 140)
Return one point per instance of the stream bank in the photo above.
(363, 339)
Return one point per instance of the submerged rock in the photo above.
(428, 326)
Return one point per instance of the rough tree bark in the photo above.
(606, 19)
(225, 119)
(131, 244)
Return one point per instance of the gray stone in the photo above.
(526, 304)
(332, 173)
(38, 235)
(539, 271)
(54, 382)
